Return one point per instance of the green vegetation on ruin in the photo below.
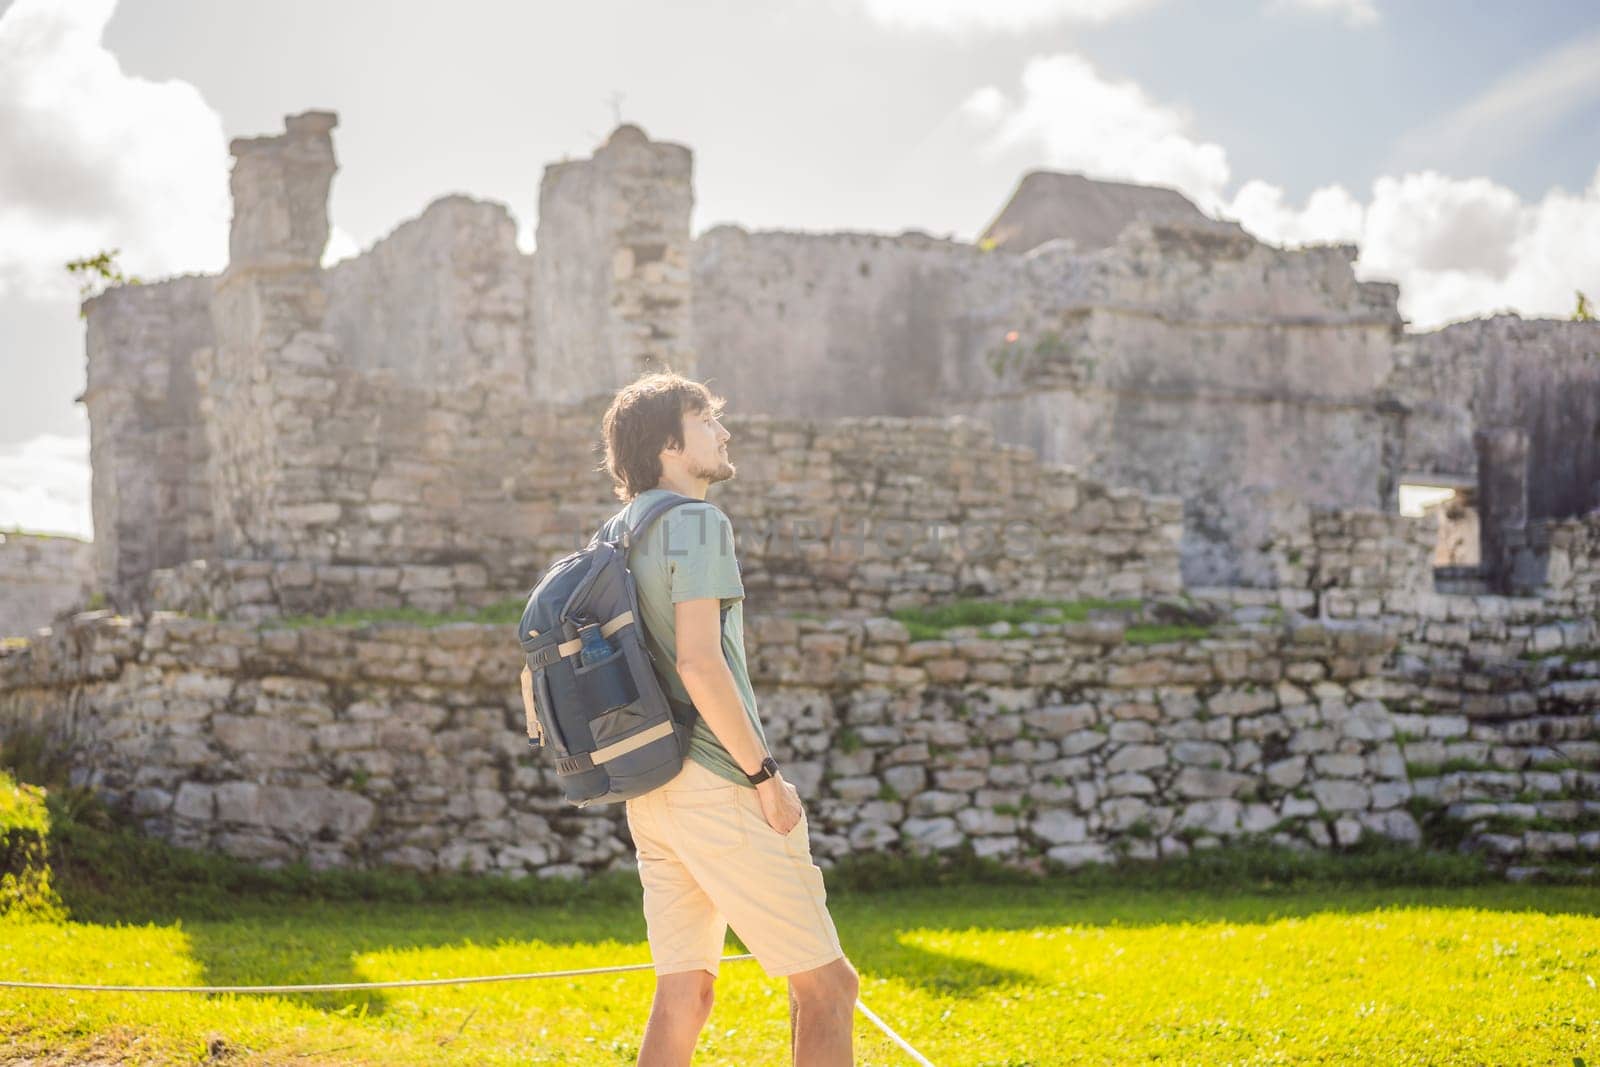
(1160, 635)
(930, 623)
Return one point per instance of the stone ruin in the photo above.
(1109, 399)
(42, 576)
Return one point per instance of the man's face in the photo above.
(705, 447)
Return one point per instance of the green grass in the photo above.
(1160, 635)
(1041, 975)
(1235, 955)
(930, 623)
(504, 612)
(24, 837)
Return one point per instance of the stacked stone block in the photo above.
(43, 575)
(874, 514)
(1495, 700)
(1558, 560)
(400, 744)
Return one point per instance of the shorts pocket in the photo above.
(707, 820)
(798, 837)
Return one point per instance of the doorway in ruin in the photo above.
(1458, 553)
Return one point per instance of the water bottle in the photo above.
(595, 648)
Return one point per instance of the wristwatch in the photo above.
(769, 767)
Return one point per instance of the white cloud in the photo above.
(44, 485)
(1459, 247)
(1330, 214)
(92, 158)
(1356, 13)
(1083, 121)
(950, 16)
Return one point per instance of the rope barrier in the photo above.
(338, 987)
(896, 1038)
(415, 983)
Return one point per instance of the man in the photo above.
(726, 841)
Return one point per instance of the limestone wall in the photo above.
(1558, 560)
(1189, 359)
(1162, 352)
(880, 513)
(444, 299)
(366, 468)
(1184, 359)
(150, 491)
(1494, 701)
(1349, 564)
(41, 576)
(838, 325)
(875, 513)
(1539, 376)
(387, 744)
(612, 274)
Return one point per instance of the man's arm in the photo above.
(710, 683)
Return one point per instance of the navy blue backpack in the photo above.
(598, 703)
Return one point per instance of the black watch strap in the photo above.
(769, 767)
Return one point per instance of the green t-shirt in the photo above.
(689, 555)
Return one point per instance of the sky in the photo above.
(1457, 142)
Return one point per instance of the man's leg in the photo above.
(794, 1021)
(677, 1015)
(823, 1011)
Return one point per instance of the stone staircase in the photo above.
(1512, 772)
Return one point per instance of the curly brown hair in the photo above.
(644, 418)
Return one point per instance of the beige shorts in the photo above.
(708, 860)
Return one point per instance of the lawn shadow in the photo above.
(247, 939)
(879, 951)
(345, 931)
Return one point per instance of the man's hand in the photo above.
(780, 803)
(527, 705)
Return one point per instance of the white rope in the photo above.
(896, 1038)
(340, 987)
(336, 987)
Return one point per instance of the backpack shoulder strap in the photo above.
(642, 525)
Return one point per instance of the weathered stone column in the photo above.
(146, 443)
(1502, 498)
(611, 281)
(280, 194)
(266, 387)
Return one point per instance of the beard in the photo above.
(720, 472)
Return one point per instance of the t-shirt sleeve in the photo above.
(699, 552)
